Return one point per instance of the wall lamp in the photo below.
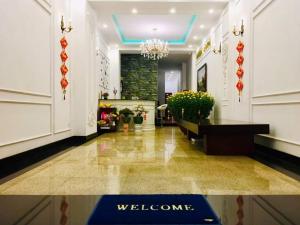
(219, 50)
(239, 32)
(65, 28)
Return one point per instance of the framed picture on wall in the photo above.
(202, 78)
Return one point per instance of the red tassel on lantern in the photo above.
(240, 87)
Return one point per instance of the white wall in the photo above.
(32, 110)
(115, 72)
(271, 80)
(84, 69)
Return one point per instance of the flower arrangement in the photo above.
(139, 110)
(102, 105)
(190, 106)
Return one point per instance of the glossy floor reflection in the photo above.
(161, 161)
(78, 209)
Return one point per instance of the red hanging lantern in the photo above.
(63, 42)
(240, 85)
(64, 83)
(240, 60)
(63, 56)
(240, 47)
(64, 69)
(240, 72)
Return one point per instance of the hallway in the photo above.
(160, 161)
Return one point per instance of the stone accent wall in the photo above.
(139, 77)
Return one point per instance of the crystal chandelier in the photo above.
(154, 49)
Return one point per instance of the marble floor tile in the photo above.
(160, 161)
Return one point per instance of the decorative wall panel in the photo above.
(139, 77)
(275, 68)
(275, 47)
(103, 71)
(25, 45)
(24, 121)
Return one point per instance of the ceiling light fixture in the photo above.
(202, 26)
(134, 11)
(195, 37)
(154, 49)
(172, 10)
(211, 11)
(104, 26)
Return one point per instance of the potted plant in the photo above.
(125, 114)
(105, 95)
(138, 118)
(191, 106)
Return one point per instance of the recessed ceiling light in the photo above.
(172, 10)
(104, 25)
(211, 11)
(195, 37)
(134, 11)
(202, 26)
(190, 46)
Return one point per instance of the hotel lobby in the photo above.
(150, 97)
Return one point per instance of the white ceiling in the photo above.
(123, 24)
(169, 27)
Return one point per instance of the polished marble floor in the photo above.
(161, 161)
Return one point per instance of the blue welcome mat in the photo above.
(153, 209)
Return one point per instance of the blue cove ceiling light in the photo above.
(181, 41)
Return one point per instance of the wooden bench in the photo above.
(225, 137)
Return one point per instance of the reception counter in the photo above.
(149, 123)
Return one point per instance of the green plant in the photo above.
(138, 119)
(126, 119)
(126, 115)
(190, 106)
(126, 112)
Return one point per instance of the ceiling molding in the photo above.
(127, 41)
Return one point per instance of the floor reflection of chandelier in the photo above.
(154, 49)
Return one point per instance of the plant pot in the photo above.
(138, 119)
(138, 127)
(125, 127)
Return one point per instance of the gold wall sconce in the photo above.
(219, 50)
(239, 32)
(65, 28)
